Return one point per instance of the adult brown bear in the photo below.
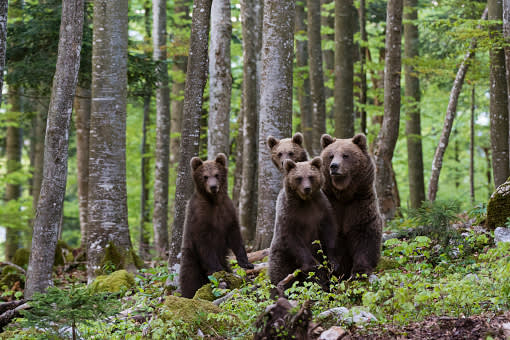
(211, 227)
(349, 174)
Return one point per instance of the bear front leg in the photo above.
(365, 252)
(235, 242)
(190, 276)
(327, 233)
(303, 254)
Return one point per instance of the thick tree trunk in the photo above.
(388, 135)
(302, 75)
(160, 214)
(451, 110)
(108, 229)
(344, 69)
(3, 42)
(363, 70)
(82, 102)
(13, 145)
(472, 148)
(316, 72)
(49, 208)
(275, 106)
(251, 16)
(412, 93)
(220, 80)
(196, 79)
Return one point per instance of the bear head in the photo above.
(210, 177)
(303, 178)
(287, 148)
(345, 161)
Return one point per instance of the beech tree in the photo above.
(49, 208)
(3, 41)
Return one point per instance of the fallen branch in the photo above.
(13, 312)
(280, 287)
(7, 263)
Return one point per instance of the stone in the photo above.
(355, 315)
(116, 282)
(334, 333)
(498, 208)
(506, 329)
(501, 234)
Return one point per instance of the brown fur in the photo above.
(211, 227)
(287, 148)
(303, 215)
(349, 185)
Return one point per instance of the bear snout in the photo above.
(333, 167)
(307, 190)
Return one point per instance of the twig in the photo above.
(280, 287)
(13, 265)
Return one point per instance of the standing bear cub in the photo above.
(349, 185)
(287, 148)
(211, 227)
(303, 215)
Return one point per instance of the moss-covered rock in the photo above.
(386, 263)
(10, 275)
(231, 281)
(116, 282)
(498, 208)
(63, 253)
(21, 257)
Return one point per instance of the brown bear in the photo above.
(303, 215)
(287, 148)
(211, 227)
(349, 175)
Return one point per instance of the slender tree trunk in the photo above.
(38, 139)
(3, 42)
(472, 147)
(275, 106)
(49, 208)
(388, 135)
(302, 75)
(82, 102)
(487, 152)
(344, 69)
(316, 73)
(251, 16)
(363, 62)
(145, 219)
(13, 143)
(220, 80)
(451, 110)
(412, 93)
(108, 229)
(160, 215)
(328, 55)
(196, 79)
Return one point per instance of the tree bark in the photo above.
(251, 16)
(388, 134)
(275, 107)
(49, 208)
(196, 79)
(302, 75)
(107, 220)
(82, 102)
(39, 134)
(160, 214)
(328, 55)
(220, 79)
(3, 42)
(344, 69)
(363, 61)
(145, 218)
(472, 148)
(451, 110)
(412, 93)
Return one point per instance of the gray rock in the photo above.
(334, 333)
(356, 315)
(502, 234)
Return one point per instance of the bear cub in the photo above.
(349, 184)
(211, 227)
(287, 148)
(303, 215)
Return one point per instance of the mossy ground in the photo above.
(206, 291)
(116, 282)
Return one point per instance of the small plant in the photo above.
(59, 308)
(478, 213)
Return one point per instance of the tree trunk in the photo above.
(275, 107)
(49, 208)
(196, 78)
(344, 69)
(144, 236)
(38, 137)
(82, 102)
(3, 42)
(472, 148)
(412, 93)
(363, 61)
(160, 215)
(13, 145)
(388, 134)
(451, 110)
(487, 153)
(220, 80)
(108, 230)
(316, 72)
(302, 79)
(328, 55)
(251, 16)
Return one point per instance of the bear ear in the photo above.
(288, 165)
(317, 162)
(195, 163)
(298, 138)
(326, 140)
(361, 141)
(221, 158)
(271, 141)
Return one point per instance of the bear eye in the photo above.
(291, 154)
(345, 156)
(331, 156)
(310, 178)
(279, 154)
(299, 179)
(217, 176)
(206, 177)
